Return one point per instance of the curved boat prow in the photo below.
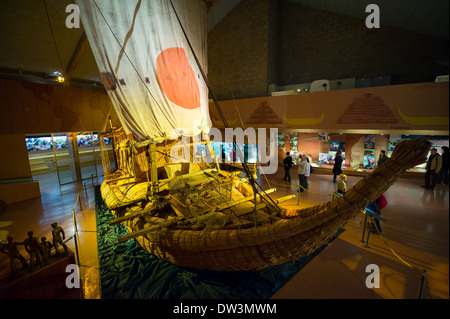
(254, 236)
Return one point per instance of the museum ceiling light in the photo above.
(55, 76)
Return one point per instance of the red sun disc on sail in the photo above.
(177, 79)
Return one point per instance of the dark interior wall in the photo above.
(314, 44)
(272, 70)
(238, 51)
(261, 42)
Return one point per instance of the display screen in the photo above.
(324, 158)
(333, 156)
(369, 161)
(227, 152)
(337, 147)
(281, 140)
(45, 143)
(87, 140)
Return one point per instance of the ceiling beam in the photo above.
(76, 56)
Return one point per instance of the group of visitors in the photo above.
(303, 169)
(304, 165)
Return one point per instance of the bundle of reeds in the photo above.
(287, 236)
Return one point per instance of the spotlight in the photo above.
(55, 76)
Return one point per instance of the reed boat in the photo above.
(209, 219)
(187, 210)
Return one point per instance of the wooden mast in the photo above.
(153, 167)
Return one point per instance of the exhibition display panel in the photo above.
(72, 161)
(359, 151)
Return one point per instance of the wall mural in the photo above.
(218, 122)
(304, 121)
(422, 120)
(394, 108)
(367, 109)
(264, 115)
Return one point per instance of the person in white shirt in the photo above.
(307, 171)
(302, 170)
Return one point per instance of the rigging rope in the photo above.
(253, 183)
(423, 272)
(148, 90)
(244, 128)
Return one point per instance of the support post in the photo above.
(364, 228)
(368, 232)
(154, 168)
(75, 239)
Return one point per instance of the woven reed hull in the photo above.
(114, 197)
(296, 234)
(246, 258)
(299, 234)
(244, 249)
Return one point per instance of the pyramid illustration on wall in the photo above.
(264, 115)
(367, 109)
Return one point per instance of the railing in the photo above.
(374, 216)
(76, 236)
(75, 232)
(368, 213)
(75, 240)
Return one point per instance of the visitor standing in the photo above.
(307, 171)
(287, 164)
(301, 164)
(432, 167)
(382, 158)
(337, 169)
(376, 208)
(443, 173)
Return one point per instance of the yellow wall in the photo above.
(14, 161)
(394, 109)
(14, 166)
(31, 108)
(14, 193)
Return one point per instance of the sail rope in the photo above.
(244, 128)
(239, 116)
(176, 130)
(252, 180)
(156, 102)
(423, 272)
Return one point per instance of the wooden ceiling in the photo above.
(28, 49)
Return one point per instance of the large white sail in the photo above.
(147, 66)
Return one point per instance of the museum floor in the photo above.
(417, 229)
